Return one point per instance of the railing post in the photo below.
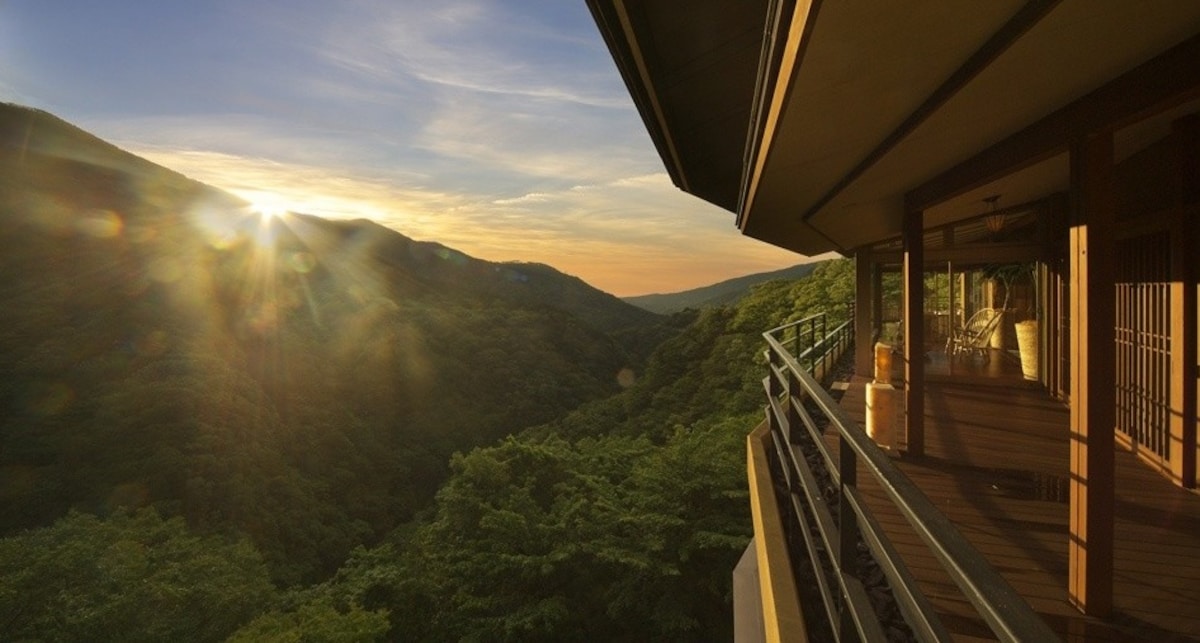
(774, 389)
(847, 531)
(795, 395)
(812, 341)
(796, 344)
(824, 351)
(773, 384)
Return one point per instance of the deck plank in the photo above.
(996, 463)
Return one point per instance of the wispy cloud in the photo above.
(520, 49)
(629, 236)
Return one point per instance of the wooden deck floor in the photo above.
(996, 464)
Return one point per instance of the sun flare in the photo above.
(267, 205)
(269, 210)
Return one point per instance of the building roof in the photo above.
(821, 123)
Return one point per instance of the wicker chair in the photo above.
(975, 335)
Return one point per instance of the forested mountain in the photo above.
(620, 522)
(719, 294)
(298, 380)
(217, 425)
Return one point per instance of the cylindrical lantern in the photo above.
(883, 363)
(882, 400)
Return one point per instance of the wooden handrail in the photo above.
(799, 355)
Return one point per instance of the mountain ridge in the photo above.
(721, 293)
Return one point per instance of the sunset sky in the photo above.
(501, 129)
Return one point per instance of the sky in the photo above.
(499, 128)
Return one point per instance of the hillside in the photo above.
(620, 521)
(298, 380)
(223, 427)
(719, 294)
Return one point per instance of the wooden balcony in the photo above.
(997, 465)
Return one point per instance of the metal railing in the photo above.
(827, 522)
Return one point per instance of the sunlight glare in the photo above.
(267, 205)
(268, 210)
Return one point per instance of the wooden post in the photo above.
(1093, 377)
(914, 332)
(863, 315)
(1184, 382)
(877, 298)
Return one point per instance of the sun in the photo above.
(268, 210)
(267, 205)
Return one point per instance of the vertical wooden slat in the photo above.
(914, 332)
(1093, 317)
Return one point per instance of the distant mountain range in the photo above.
(719, 294)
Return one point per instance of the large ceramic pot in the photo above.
(1027, 344)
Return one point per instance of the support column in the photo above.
(864, 331)
(914, 332)
(877, 298)
(1093, 374)
(1184, 376)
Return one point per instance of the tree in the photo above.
(132, 577)
(316, 621)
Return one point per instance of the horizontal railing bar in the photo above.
(805, 416)
(781, 452)
(822, 448)
(776, 407)
(917, 610)
(866, 621)
(814, 557)
(779, 373)
(795, 323)
(825, 524)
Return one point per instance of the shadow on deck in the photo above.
(996, 464)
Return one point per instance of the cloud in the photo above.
(534, 50)
(631, 235)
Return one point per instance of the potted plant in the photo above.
(1007, 276)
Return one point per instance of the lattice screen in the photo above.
(1143, 335)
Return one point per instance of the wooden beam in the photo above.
(914, 332)
(1093, 375)
(645, 93)
(1184, 332)
(864, 328)
(786, 59)
(981, 253)
(1165, 81)
(1021, 22)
